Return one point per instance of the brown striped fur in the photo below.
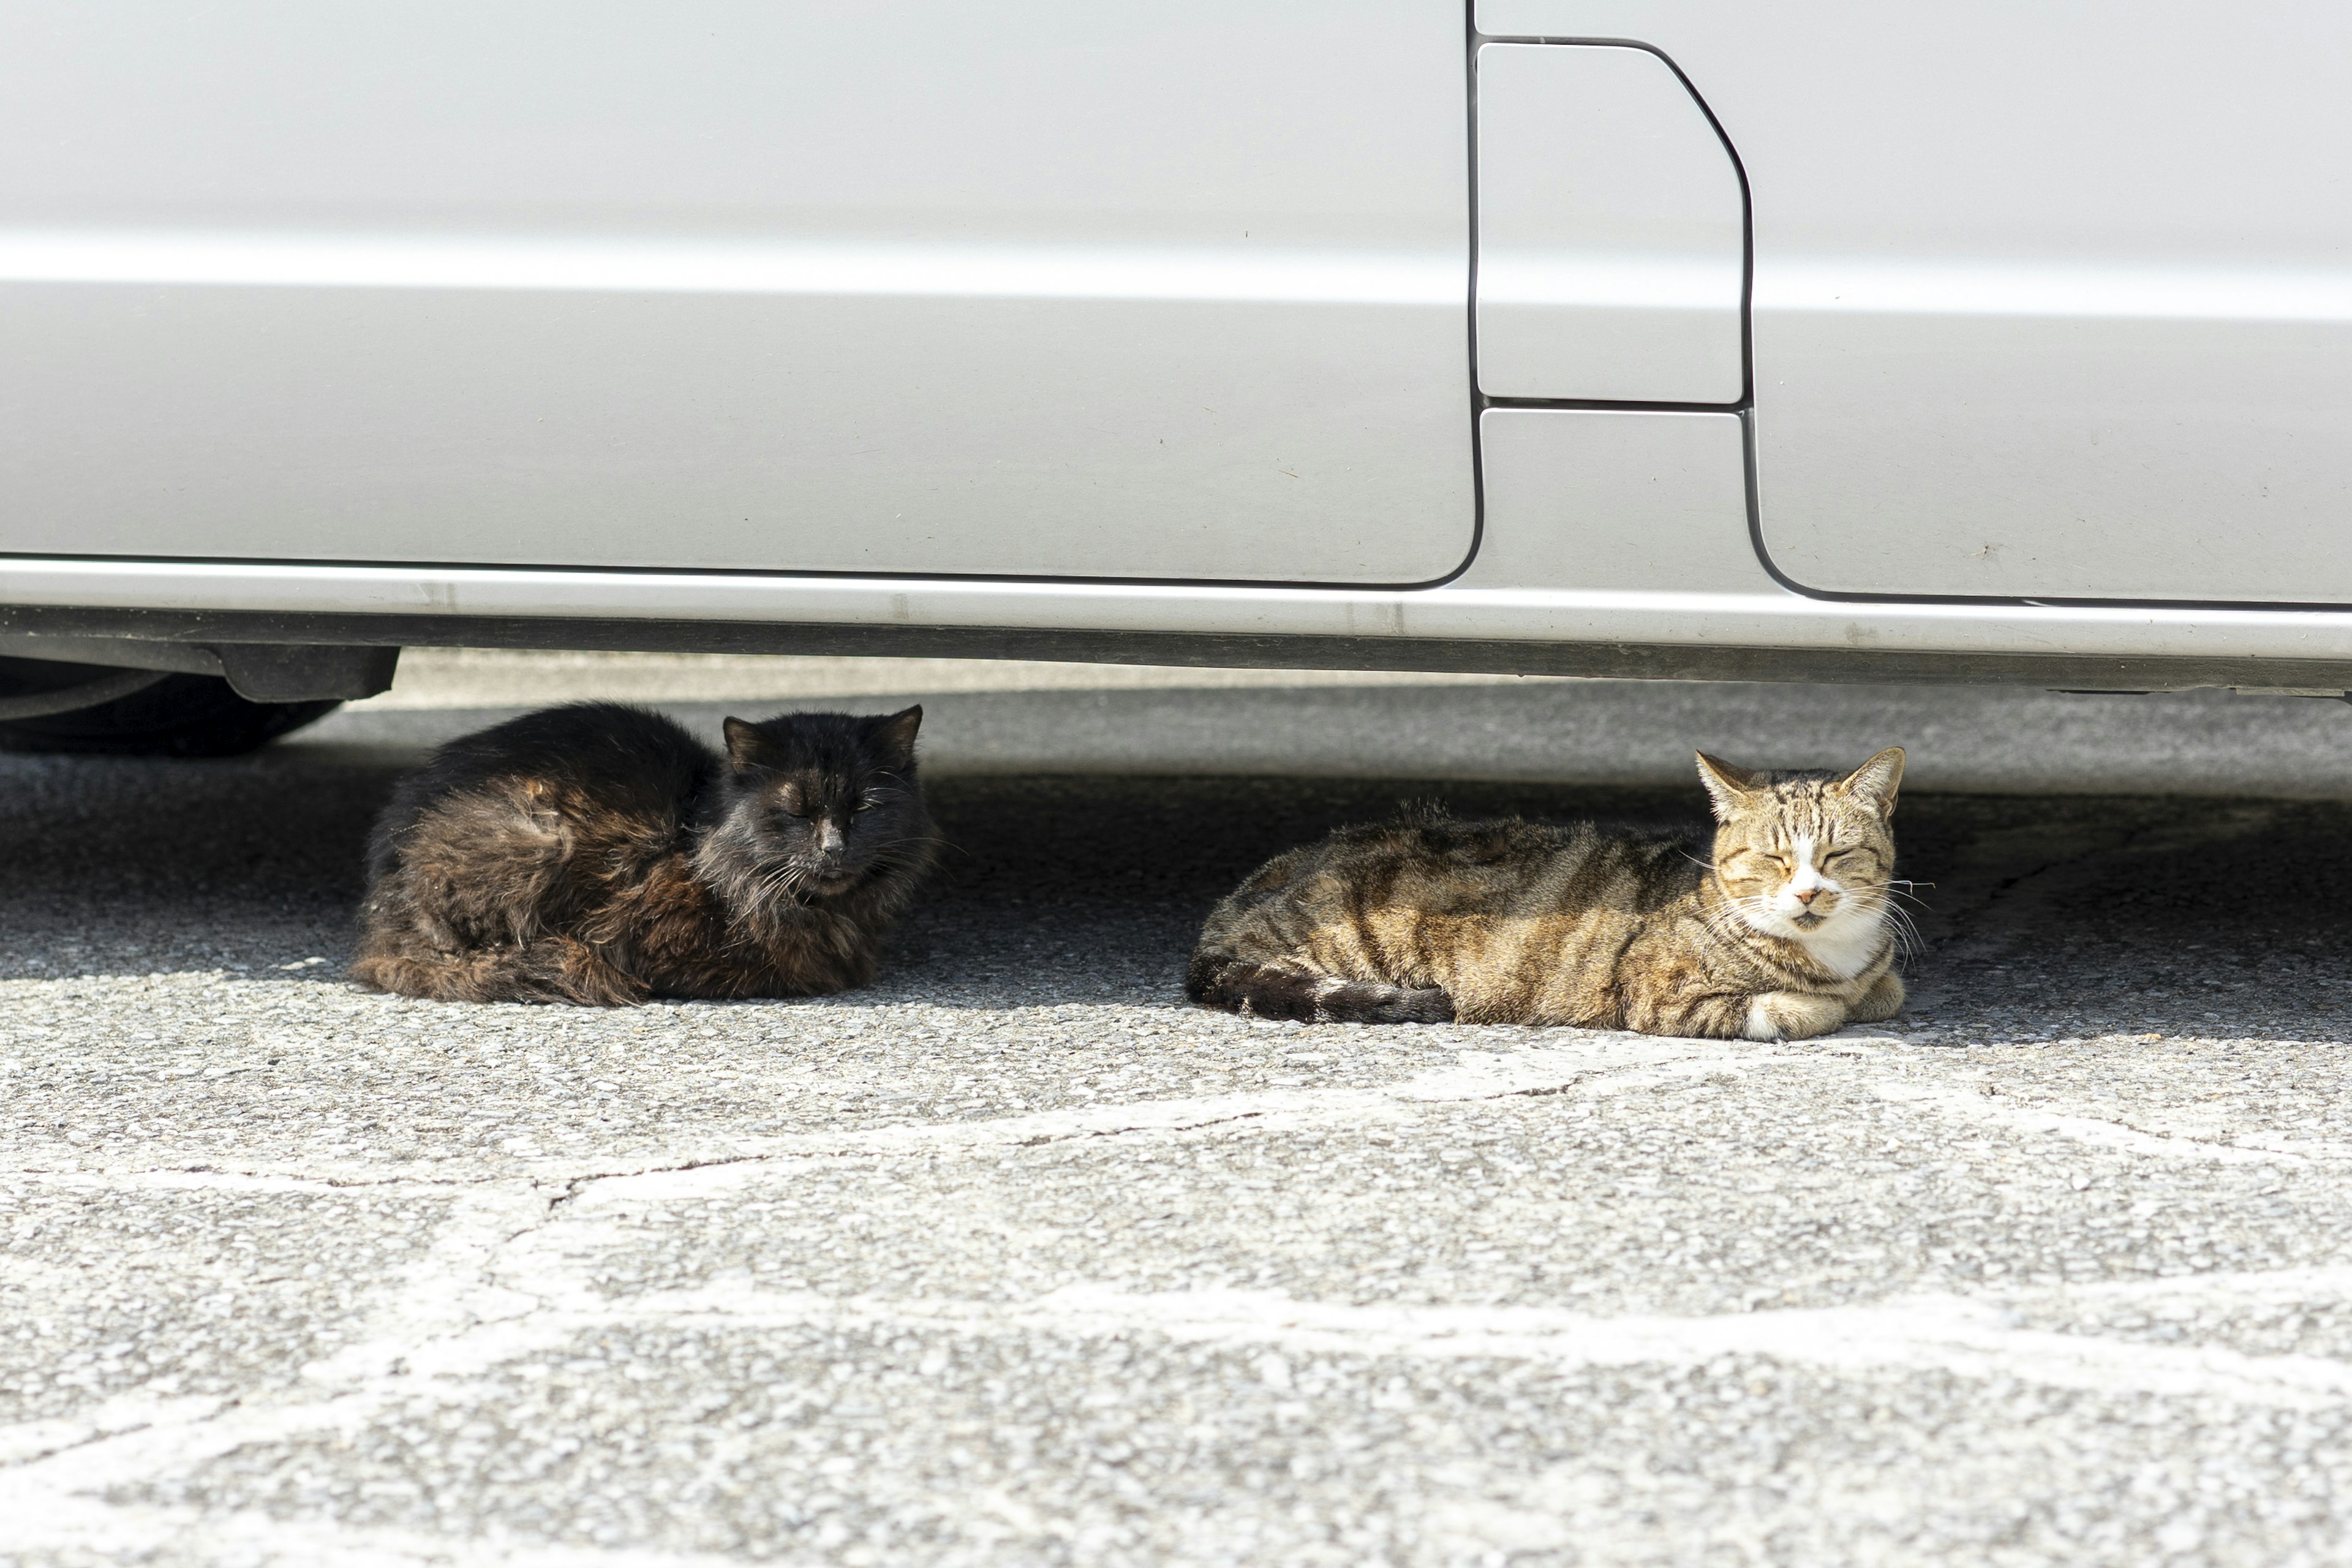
(601, 854)
(1784, 930)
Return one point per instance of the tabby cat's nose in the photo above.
(1805, 895)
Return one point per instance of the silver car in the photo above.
(1827, 339)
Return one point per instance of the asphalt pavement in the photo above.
(1015, 1258)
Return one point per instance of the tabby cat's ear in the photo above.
(744, 742)
(1727, 786)
(893, 738)
(1876, 780)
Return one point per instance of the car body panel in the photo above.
(2050, 299)
(1047, 290)
(1055, 332)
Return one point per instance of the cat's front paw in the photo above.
(1882, 1001)
(1791, 1015)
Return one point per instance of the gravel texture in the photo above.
(1014, 1260)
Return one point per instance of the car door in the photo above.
(1038, 289)
(2049, 299)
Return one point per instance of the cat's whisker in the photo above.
(931, 841)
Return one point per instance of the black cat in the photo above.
(599, 854)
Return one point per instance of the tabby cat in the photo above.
(1784, 931)
(599, 854)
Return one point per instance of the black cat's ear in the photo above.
(893, 736)
(1875, 782)
(1730, 788)
(745, 743)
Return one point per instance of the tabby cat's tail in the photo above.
(1263, 991)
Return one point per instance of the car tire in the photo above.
(176, 716)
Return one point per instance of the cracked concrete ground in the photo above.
(1015, 1259)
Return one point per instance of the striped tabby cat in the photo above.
(1785, 931)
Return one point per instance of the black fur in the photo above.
(599, 854)
(1266, 993)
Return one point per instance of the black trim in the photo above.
(1470, 295)
(1628, 406)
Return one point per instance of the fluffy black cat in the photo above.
(599, 854)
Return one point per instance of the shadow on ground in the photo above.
(2047, 918)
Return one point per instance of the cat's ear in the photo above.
(893, 737)
(1876, 780)
(1727, 786)
(745, 743)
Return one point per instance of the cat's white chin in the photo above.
(1844, 945)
